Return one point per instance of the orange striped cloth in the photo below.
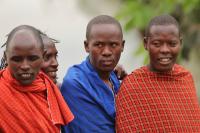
(38, 107)
(158, 102)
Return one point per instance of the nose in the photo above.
(25, 65)
(54, 62)
(107, 51)
(165, 48)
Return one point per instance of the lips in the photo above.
(165, 60)
(107, 62)
(26, 76)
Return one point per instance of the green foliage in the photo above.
(137, 14)
(142, 51)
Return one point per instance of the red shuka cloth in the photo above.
(158, 102)
(38, 107)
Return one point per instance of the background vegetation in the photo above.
(137, 13)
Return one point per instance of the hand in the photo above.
(120, 72)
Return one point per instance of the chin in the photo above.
(26, 83)
(107, 69)
(165, 69)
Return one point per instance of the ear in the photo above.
(123, 43)
(86, 46)
(145, 40)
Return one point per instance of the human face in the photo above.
(50, 64)
(24, 57)
(104, 45)
(163, 45)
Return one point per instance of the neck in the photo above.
(105, 76)
(159, 71)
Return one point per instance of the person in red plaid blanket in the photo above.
(29, 99)
(161, 96)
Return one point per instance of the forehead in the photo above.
(48, 43)
(50, 49)
(157, 30)
(23, 40)
(102, 29)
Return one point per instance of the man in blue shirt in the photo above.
(89, 88)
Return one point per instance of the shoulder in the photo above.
(76, 71)
(5, 90)
(136, 78)
(71, 79)
(70, 87)
(74, 79)
(79, 73)
(179, 68)
(73, 73)
(180, 71)
(133, 80)
(6, 84)
(136, 74)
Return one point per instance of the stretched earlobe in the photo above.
(145, 42)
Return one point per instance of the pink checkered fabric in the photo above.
(158, 102)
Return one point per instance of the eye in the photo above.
(98, 44)
(156, 43)
(33, 58)
(47, 57)
(173, 44)
(16, 58)
(113, 44)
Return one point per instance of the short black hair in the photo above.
(44, 35)
(32, 29)
(162, 20)
(102, 19)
